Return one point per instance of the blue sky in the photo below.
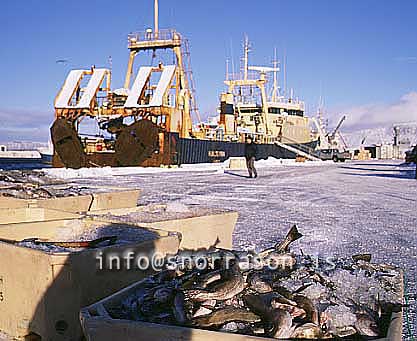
(358, 54)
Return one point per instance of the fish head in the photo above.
(307, 331)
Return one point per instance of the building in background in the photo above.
(405, 136)
(25, 145)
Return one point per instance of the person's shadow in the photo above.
(235, 174)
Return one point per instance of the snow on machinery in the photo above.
(332, 146)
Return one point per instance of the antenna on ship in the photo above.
(275, 89)
(232, 57)
(110, 67)
(285, 73)
(321, 112)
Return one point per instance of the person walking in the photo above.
(414, 160)
(250, 155)
(412, 157)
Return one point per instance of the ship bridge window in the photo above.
(295, 112)
(250, 110)
(153, 119)
(161, 120)
(226, 108)
(274, 110)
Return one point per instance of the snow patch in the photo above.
(217, 168)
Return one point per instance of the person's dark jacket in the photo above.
(250, 150)
(411, 155)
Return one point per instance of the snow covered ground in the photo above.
(342, 209)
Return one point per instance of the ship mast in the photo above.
(275, 89)
(285, 75)
(156, 18)
(246, 58)
(183, 90)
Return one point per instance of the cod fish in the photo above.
(344, 331)
(307, 331)
(283, 246)
(226, 315)
(204, 280)
(258, 284)
(162, 295)
(365, 257)
(312, 314)
(280, 320)
(202, 311)
(178, 308)
(231, 284)
(366, 325)
(293, 310)
(274, 297)
(292, 236)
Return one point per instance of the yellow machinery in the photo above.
(138, 123)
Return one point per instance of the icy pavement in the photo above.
(341, 209)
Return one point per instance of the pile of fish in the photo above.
(28, 184)
(274, 294)
(24, 176)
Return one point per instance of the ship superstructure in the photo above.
(247, 109)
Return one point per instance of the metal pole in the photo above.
(275, 89)
(285, 74)
(246, 51)
(156, 18)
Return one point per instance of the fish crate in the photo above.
(237, 163)
(114, 200)
(200, 227)
(27, 215)
(6, 202)
(97, 200)
(43, 286)
(300, 158)
(98, 325)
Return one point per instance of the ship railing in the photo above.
(252, 75)
(291, 101)
(150, 35)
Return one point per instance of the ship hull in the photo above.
(191, 151)
(46, 158)
(17, 160)
(175, 151)
(19, 157)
